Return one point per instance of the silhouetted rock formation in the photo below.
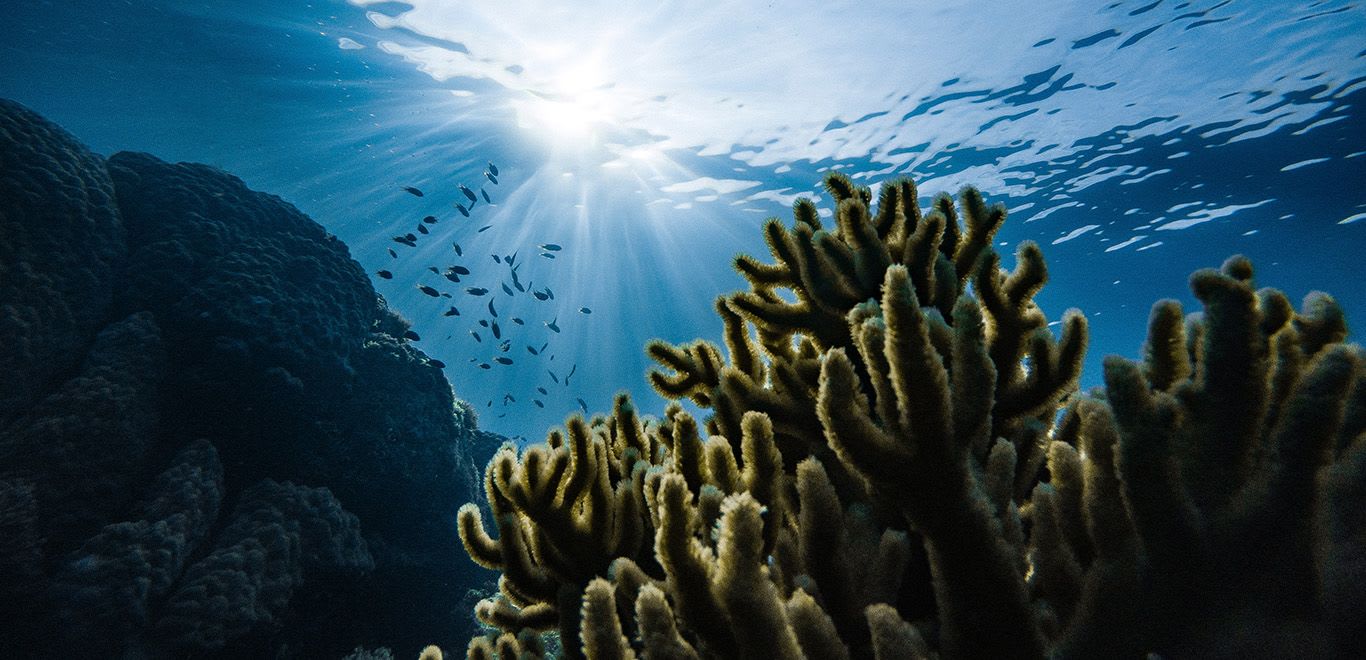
(213, 436)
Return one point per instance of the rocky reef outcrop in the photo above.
(214, 437)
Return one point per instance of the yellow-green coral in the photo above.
(897, 465)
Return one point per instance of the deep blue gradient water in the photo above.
(1135, 141)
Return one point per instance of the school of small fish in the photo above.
(465, 204)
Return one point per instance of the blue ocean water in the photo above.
(1135, 141)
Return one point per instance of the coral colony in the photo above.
(216, 440)
(897, 464)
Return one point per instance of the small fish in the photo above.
(452, 277)
(582, 404)
(518, 321)
(409, 240)
(493, 169)
(459, 270)
(508, 397)
(431, 219)
(429, 290)
(540, 296)
(551, 247)
(491, 177)
(550, 293)
(501, 415)
(434, 270)
(481, 229)
(492, 312)
(445, 295)
(463, 211)
(392, 254)
(436, 363)
(553, 376)
(458, 251)
(505, 346)
(385, 274)
(503, 360)
(423, 229)
(485, 365)
(506, 289)
(411, 336)
(538, 403)
(484, 322)
(511, 258)
(496, 259)
(571, 373)
(531, 350)
(476, 336)
(413, 191)
(542, 390)
(476, 291)
(489, 404)
(547, 255)
(497, 334)
(585, 310)
(452, 311)
(543, 346)
(485, 194)
(468, 193)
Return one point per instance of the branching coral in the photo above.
(834, 273)
(899, 466)
(564, 512)
(1236, 447)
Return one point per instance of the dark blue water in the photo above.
(1135, 141)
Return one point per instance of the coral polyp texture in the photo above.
(215, 439)
(897, 464)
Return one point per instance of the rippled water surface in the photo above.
(1135, 141)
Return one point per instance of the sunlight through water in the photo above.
(662, 135)
(1134, 140)
(313, 263)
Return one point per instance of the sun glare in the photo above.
(572, 108)
(560, 122)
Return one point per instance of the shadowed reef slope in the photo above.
(214, 439)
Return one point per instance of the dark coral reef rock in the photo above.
(60, 242)
(214, 439)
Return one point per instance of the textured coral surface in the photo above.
(214, 439)
(897, 464)
(61, 240)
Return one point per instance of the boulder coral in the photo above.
(897, 464)
(61, 244)
(215, 439)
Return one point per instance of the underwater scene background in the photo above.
(536, 191)
(1137, 141)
